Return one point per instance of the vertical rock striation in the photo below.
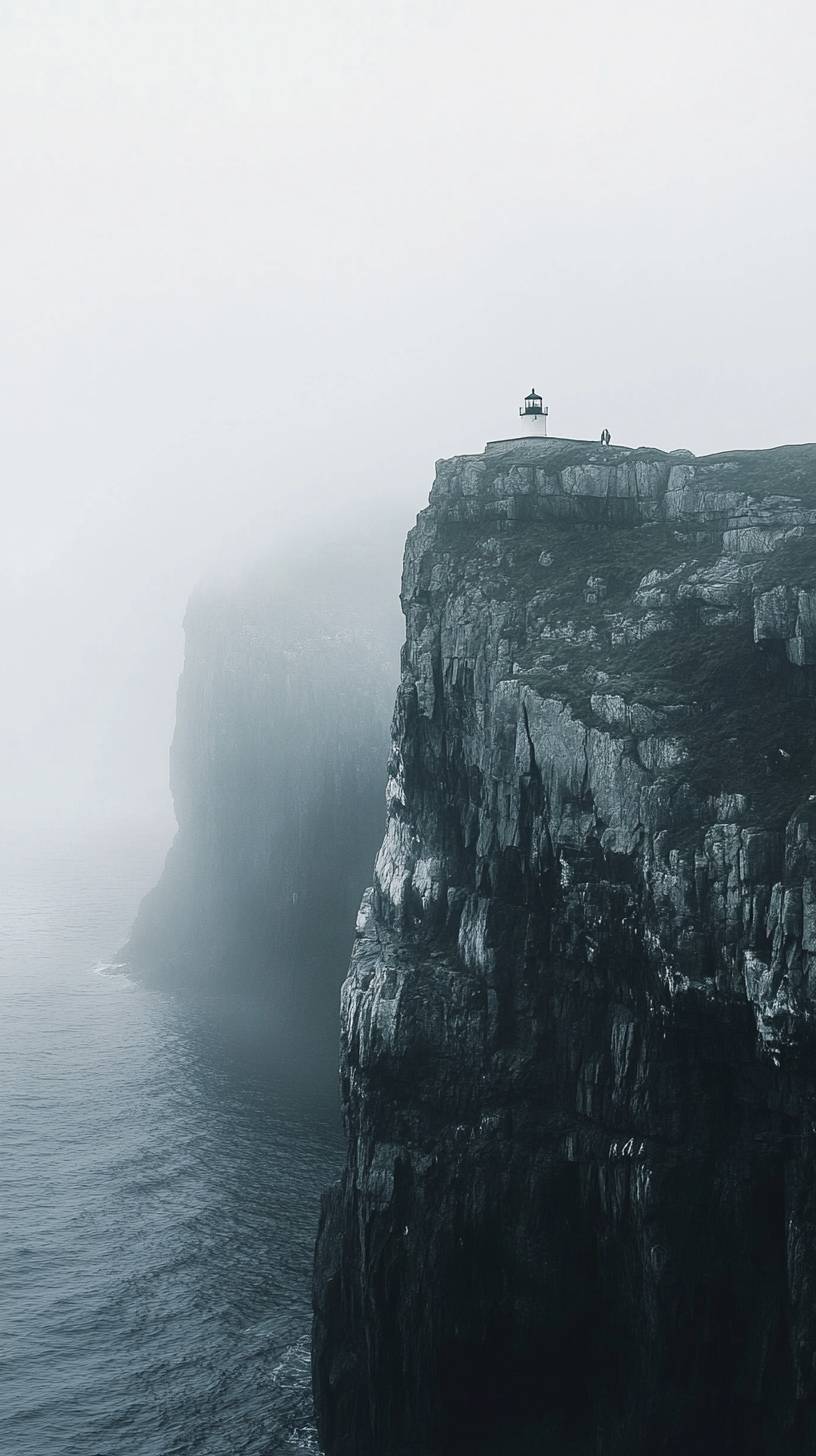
(578, 1026)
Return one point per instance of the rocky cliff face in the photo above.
(578, 1027)
(277, 769)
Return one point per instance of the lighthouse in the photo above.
(533, 415)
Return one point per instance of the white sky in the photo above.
(264, 262)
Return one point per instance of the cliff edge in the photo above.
(578, 1025)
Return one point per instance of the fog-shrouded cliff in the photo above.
(277, 772)
(578, 1212)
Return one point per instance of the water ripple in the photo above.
(159, 1185)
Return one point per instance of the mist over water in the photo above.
(162, 1165)
(265, 262)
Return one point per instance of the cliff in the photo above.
(578, 1026)
(277, 767)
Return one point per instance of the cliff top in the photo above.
(654, 594)
(778, 470)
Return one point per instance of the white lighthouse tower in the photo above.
(533, 415)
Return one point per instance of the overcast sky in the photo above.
(265, 260)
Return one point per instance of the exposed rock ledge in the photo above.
(578, 1026)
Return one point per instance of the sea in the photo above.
(161, 1164)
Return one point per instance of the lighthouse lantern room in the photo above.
(533, 414)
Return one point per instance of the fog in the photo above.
(264, 261)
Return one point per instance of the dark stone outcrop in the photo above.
(579, 1206)
(277, 769)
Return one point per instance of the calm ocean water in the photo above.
(160, 1172)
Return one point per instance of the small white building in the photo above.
(533, 414)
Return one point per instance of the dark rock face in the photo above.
(579, 1206)
(277, 769)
